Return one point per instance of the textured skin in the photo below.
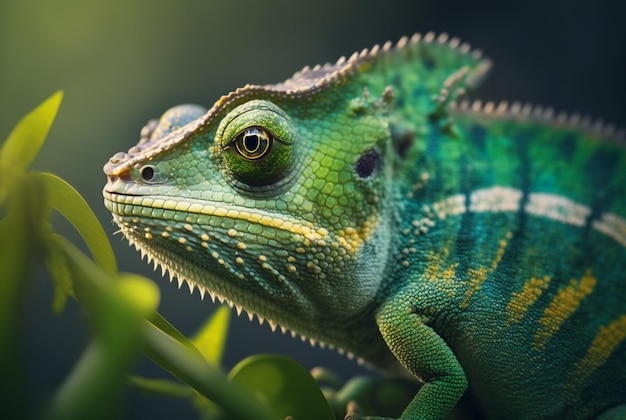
(475, 245)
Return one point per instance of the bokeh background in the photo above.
(121, 62)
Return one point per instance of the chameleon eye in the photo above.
(253, 143)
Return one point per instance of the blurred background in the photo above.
(122, 62)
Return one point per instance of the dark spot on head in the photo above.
(367, 163)
(402, 140)
(428, 60)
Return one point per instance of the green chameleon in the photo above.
(361, 205)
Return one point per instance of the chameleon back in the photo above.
(518, 238)
(512, 244)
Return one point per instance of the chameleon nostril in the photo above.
(148, 173)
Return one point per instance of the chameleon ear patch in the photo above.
(367, 163)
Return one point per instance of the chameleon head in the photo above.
(276, 199)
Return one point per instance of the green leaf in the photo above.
(21, 233)
(67, 201)
(138, 293)
(163, 324)
(211, 339)
(178, 357)
(15, 263)
(161, 387)
(190, 367)
(93, 388)
(285, 386)
(386, 397)
(24, 142)
(61, 274)
(15, 266)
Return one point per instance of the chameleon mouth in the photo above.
(131, 204)
(124, 208)
(345, 241)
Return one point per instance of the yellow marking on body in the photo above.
(601, 348)
(438, 271)
(522, 300)
(562, 307)
(352, 239)
(477, 276)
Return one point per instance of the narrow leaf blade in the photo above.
(211, 339)
(67, 201)
(24, 142)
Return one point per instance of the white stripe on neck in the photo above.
(550, 206)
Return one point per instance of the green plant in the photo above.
(121, 310)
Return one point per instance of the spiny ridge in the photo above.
(540, 113)
(344, 66)
(158, 261)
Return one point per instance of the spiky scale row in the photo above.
(539, 113)
(238, 309)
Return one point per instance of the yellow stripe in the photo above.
(562, 307)
(606, 341)
(351, 239)
(476, 277)
(521, 301)
(438, 270)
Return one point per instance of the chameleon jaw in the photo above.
(173, 270)
(247, 244)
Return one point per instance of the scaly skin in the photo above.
(359, 206)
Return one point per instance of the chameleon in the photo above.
(367, 205)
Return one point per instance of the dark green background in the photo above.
(122, 62)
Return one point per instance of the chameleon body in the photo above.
(360, 205)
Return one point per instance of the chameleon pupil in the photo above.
(253, 143)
